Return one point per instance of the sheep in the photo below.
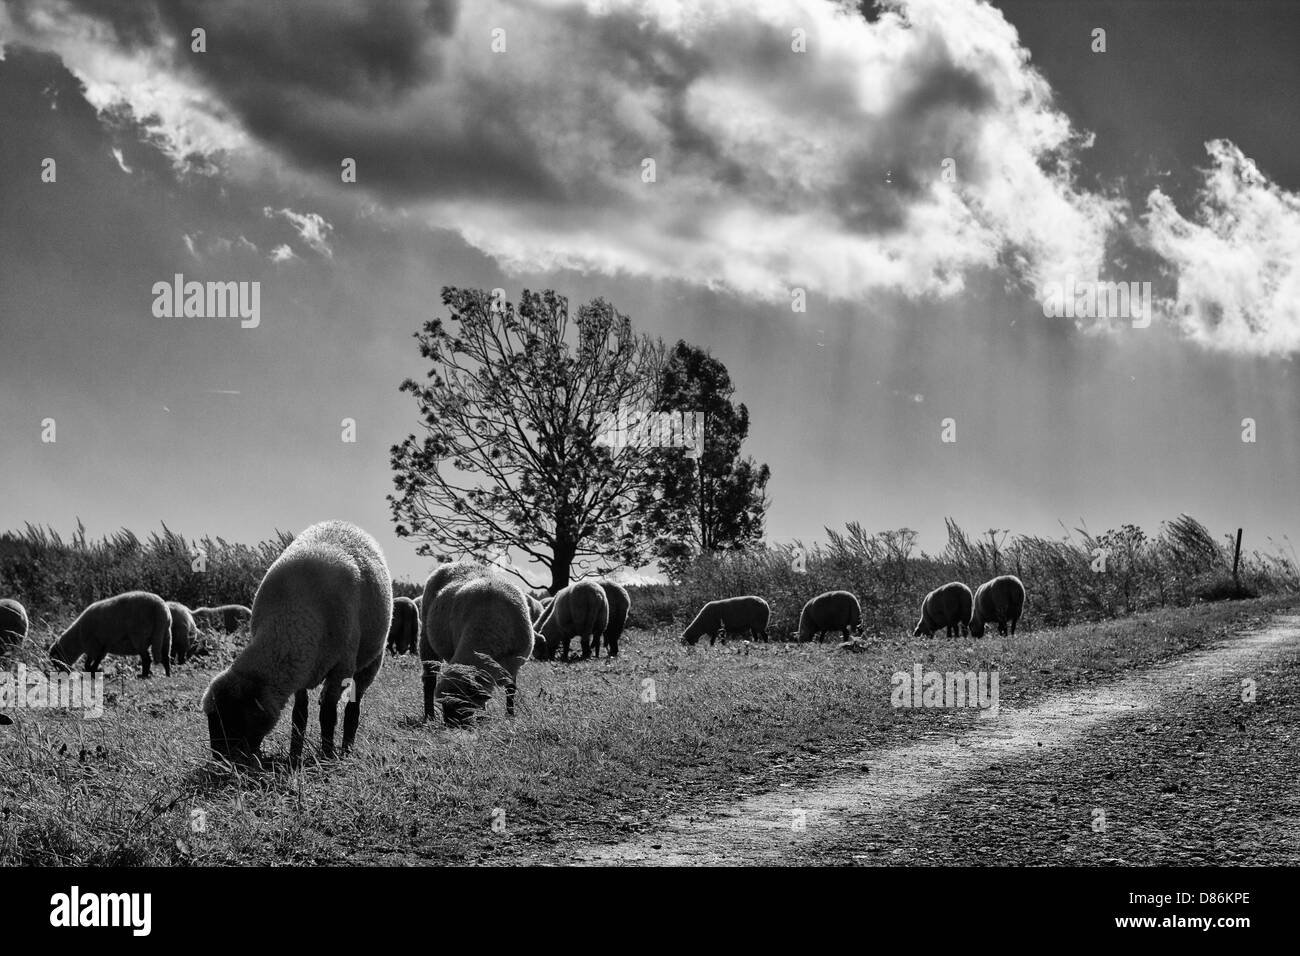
(404, 634)
(579, 610)
(13, 622)
(535, 608)
(999, 601)
(477, 635)
(136, 622)
(832, 611)
(229, 616)
(619, 603)
(321, 614)
(949, 607)
(183, 631)
(747, 613)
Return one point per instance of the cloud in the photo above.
(117, 154)
(1236, 259)
(312, 228)
(282, 253)
(895, 155)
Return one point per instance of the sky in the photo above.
(928, 176)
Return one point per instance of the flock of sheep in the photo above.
(325, 612)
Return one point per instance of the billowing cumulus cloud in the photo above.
(794, 142)
(1237, 259)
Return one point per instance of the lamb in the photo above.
(229, 616)
(832, 611)
(321, 614)
(728, 615)
(136, 622)
(579, 610)
(404, 634)
(183, 631)
(477, 635)
(999, 601)
(619, 603)
(949, 607)
(13, 622)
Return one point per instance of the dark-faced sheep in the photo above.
(948, 607)
(404, 635)
(728, 616)
(321, 614)
(999, 602)
(184, 631)
(477, 636)
(13, 623)
(619, 603)
(580, 610)
(832, 611)
(136, 623)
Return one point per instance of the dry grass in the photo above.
(586, 758)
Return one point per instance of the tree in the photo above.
(511, 459)
(717, 502)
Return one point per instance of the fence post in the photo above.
(1236, 555)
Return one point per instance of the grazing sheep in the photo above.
(579, 610)
(321, 614)
(619, 603)
(404, 635)
(136, 622)
(535, 608)
(832, 611)
(442, 575)
(728, 615)
(13, 622)
(999, 601)
(949, 607)
(477, 635)
(229, 616)
(183, 631)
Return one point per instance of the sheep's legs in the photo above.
(144, 664)
(329, 714)
(352, 712)
(430, 684)
(586, 646)
(510, 696)
(299, 733)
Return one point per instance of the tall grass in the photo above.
(1182, 564)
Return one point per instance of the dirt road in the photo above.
(1169, 765)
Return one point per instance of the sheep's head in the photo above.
(57, 656)
(543, 650)
(462, 693)
(976, 627)
(921, 629)
(238, 718)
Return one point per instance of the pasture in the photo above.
(599, 752)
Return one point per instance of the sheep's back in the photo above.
(122, 624)
(832, 611)
(326, 602)
(950, 604)
(485, 614)
(737, 613)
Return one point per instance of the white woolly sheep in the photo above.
(184, 631)
(580, 610)
(619, 604)
(832, 611)
(478, 635)
(404, 634)
(321, 614)
(229, 616)
(13, 622)
(136, 622)
(948, 607)
(1000, 602)
(728, 616)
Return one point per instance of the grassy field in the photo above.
(589, 757)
